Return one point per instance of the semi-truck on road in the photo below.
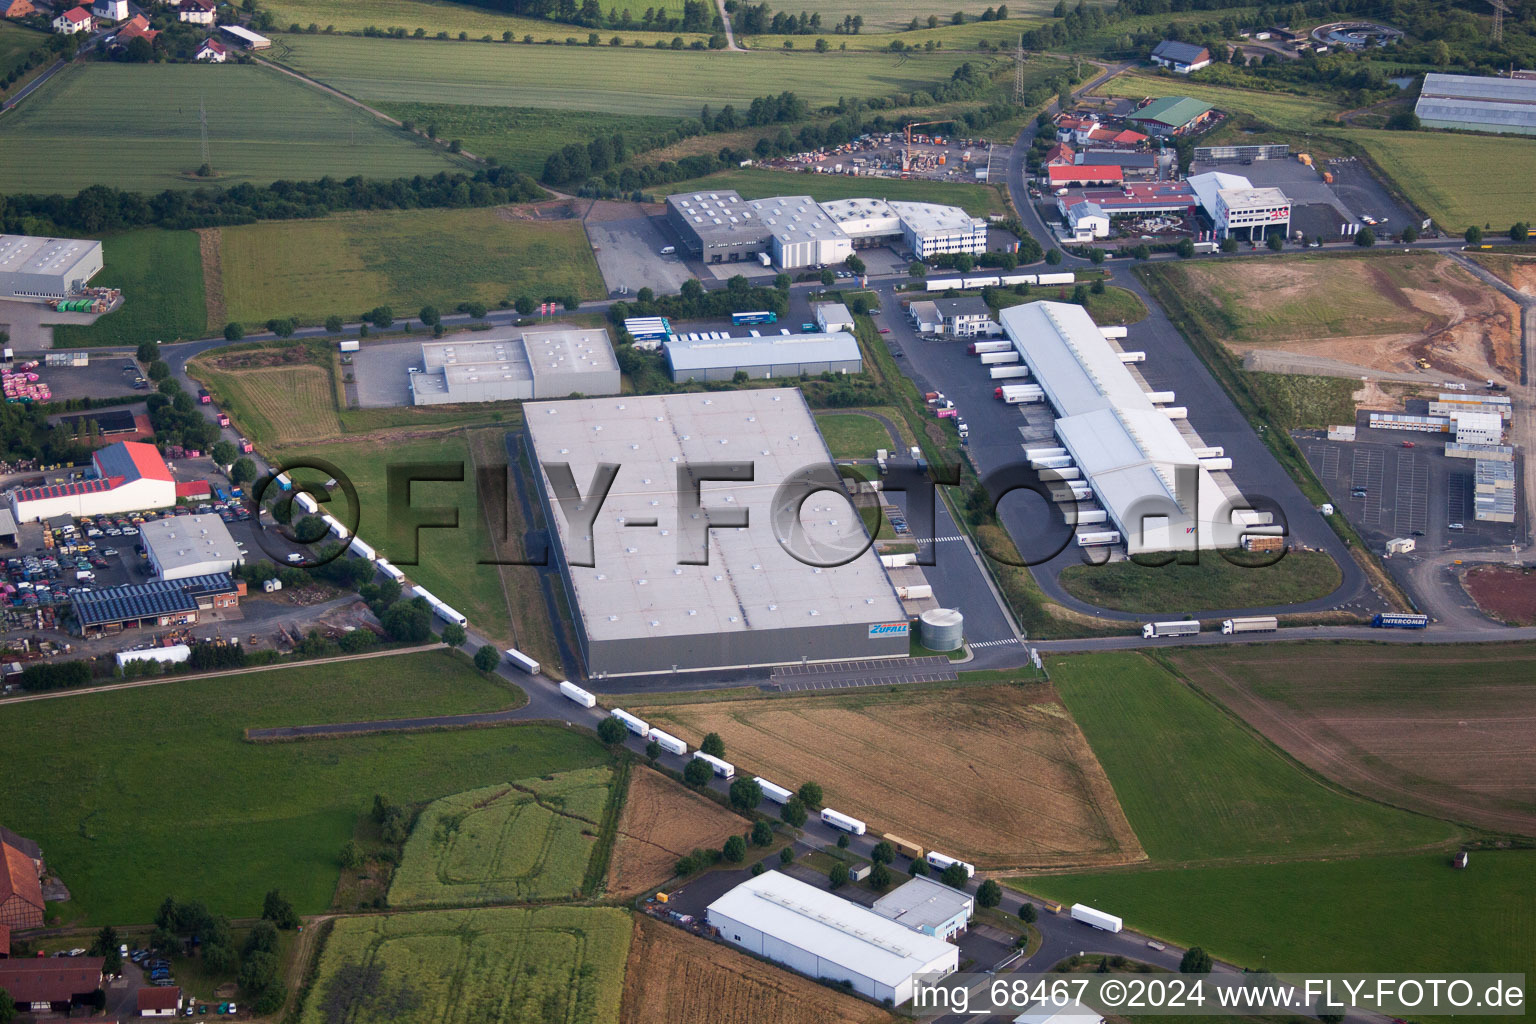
(1097, 918)
(1182, 627)
(1399, 620)
(1251, 624)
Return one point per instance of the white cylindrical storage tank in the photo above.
(1043, 453)
(999, 358)
(1176, 412)
(578, 695)
(361, 548)
(1008, 372)
(1160, 397)
(666, 741)
(1215, 451)
(1114, 332)
(941, 629)
(1215, 464)
(778, 794)
(914, 593)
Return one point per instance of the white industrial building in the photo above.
(125, 477)
(774, 355)
(1130, 452)
(509, 364)
(1478, 103)
(1453, 405)
(933, 230)
(1235, 206)
(39, 269)
(1478, 428)
(642, 603)
(929, 907)
(180, 547)
(869, 222)
(824, 936)
(832, 317)
(1088, 221)
(800, 232)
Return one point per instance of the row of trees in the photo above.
(255, 965)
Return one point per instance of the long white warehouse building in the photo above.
(1129, 452)
(825, 936)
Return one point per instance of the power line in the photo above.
(202, 124)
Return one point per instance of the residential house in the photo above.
(111, 10)
(214, 51)
(16, 8)
(21, 891)
(1181, 57)
(1060, 155)
(137, 27)
(198, 12)
(77, 19)
(965, 317)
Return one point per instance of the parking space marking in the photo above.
(1412, 512)
(1366, 470)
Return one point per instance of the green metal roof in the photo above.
(1174, 111)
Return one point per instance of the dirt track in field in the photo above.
(209, 246)
(1000, 776)
(1433, 732)
(674, 976)
(661, 822)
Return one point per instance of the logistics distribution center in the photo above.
(511, 364)
(822, 935)
(39, 269)
(1128, 449)
(641, 607)
(797, 231)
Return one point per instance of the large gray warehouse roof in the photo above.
(922, 903)
(721, 215)
(793, 219)
(637, 589)
(1501, 104)
(183, 541)
(838, 346)
(26, 254)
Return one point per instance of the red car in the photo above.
(885, 330)
(1408, 444)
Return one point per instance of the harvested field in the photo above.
(1376, 312)
(674, 976)
(1021, 787)
(1503, 593)
(661, 822)
(280, 404)
(1443, 730)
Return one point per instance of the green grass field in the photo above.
(167, 797)
(851, 435)
(16, 41)
(161, 275)
(448, 558)
(1214, 583)
(554, 964)
(884, 16)
(436, 16)
(523, 137)
(1196, 786)
(529, 839)
(756, 183)
(1345, 915)
(1002, 35)
(1459, 180)
(620, 81)
(262, 125)
(349, 262)
(1114, 305)
(1283, 110)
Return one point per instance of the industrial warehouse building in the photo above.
(124, 477)
(824, 936)
(1475, 103)
(1235, 207)
(515, 365)
(1126, 447)
(1171, 115)
(1181, 57)
(637, 608)
(153, 605)
(929, 907)
(933, 230)
(185, 546)
(800, 234)
(785, 355)
(833, 316)
(717, 227)
(39, 269)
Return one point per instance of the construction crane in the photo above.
(906, 154)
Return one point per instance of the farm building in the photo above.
(110, 10)
(508, 364)
(1477, 103)
(16, 8)
(824, 936)
(833, 316)
(136, 28)
(717, 227)
(185, 546)
(36, 269)
(929, 907)
(1131, 164)
(246, 38)
(1235, 207)
(657, 585)
(158, 1002)
(1130, 453)
(1171, 115)
(771, 356)
(76, 19)
(124, 477)
(1084, 174)
(1180, 57)
(212, 51)
(152, 605)
(21, 891)
(1493, 491)
(800, 233)
(49, 983)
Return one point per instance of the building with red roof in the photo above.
(1138, 197)
(212, 50)
(198, 12)
(21, 891)
(124, 477)
(159, 1002)
(16, 8)
(1084, 174)
(136, 28)
(5, 941)
(41, 984)
(76, 19)
(1060, 155)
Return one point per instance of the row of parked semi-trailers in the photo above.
(944, 284)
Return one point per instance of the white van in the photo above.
(668, 250)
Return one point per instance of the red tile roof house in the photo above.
(21, 893)
(198, 12)
(137, 26)
(212, 50)
(49, 983)
(159, 1002)
(1060, 155)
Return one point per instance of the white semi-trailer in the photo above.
(999, 358)
(1051, 462)
(389, 570)
(778, 794)
(1063, 473)
(630, 722)
(361, 549)
(939, 862)
(1176, 412)
(1214, 464)
(843, 821)
(1009, 372)
(522, 661)
(1181, 627)
(724, 769)
(981, 282)
(1055, 278)
(1088, 517)
(1160, 397)
(897, 561)
(1096, 918)
(1098, 538)
(1133, 357)
(978, 348)
(1114, 332)
(573, 692)
(1251, 624)
(1215, 451)
(1016, 394)
(916, 592)
(1043, 453)
(671, 744)
(944, 284)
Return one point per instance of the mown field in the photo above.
(1442, 730)
(615, 80)
(167, 797)
(16, 41)
(1213, 584)
(436, 16)
(755, 183)
(1342, 915)
(850, 435)
(262, 125)
(1459, 180)
(349, 262)
(1032, 792)
(1114, 305)
(1196, 786)
(523, 137)
(524, 840)
(283, 404)
(662, 821)
(161, 275)
(562, 964)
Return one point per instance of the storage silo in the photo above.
(941, 629)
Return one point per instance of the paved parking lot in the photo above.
(106, 376)
(379, 372)
(627, 254)
(1318, 208)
